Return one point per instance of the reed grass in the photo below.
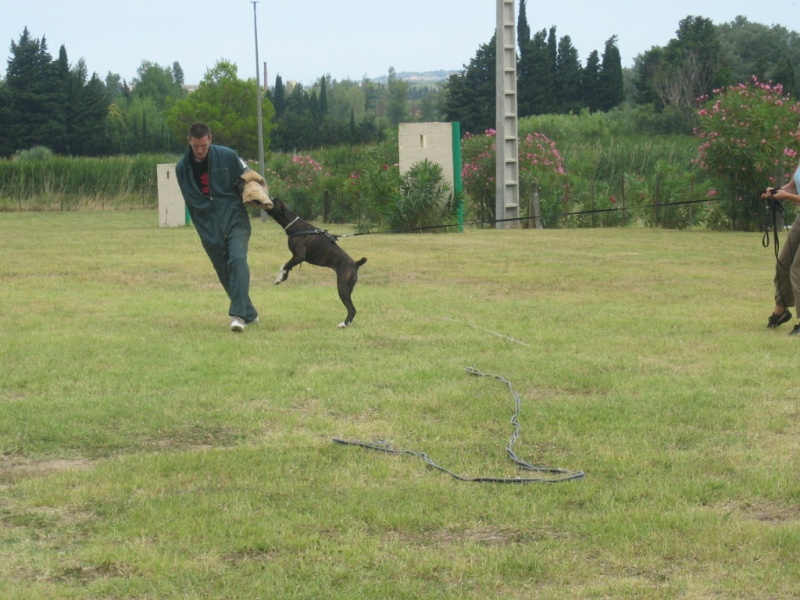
(68, 183)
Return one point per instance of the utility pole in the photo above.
(507, 130)
(258, 105)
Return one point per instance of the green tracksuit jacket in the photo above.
(222, 222)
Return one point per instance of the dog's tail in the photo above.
(360, 262)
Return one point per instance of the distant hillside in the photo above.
(415, 77)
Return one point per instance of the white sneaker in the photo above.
(237, 325)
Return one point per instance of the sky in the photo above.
(302, 40)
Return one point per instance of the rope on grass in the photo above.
(558, 475)
(500, 335)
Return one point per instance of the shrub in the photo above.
(541, 170)
(425, 198)
(540, 166)
(34, 153)
(374, 182)
(298, 180)
(750, 139)
(478, 173)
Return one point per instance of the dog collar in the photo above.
(292, 223)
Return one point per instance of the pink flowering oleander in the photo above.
(538, 161)
(748, 132)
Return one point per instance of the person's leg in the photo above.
(787, 271)
(218, 255)
(238, 271)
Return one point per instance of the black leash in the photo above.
(564, 475)
(774, 220)
(482, 223)
(774, 209)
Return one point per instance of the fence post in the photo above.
(537, 207)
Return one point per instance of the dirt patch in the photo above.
(768, 512)
(12, 470)
(485, 536)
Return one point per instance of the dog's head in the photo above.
(278, 209)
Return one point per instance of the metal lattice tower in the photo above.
(507, 137)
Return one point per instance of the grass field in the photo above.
(147, 452)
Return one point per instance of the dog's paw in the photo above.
(343, 325)
(281, 277)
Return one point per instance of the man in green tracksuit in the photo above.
(207, 175)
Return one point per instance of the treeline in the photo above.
(664, 84)
(550, 80)
(331, 112)
(52, 103)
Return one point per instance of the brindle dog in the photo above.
(317, 247)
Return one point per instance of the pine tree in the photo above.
(296, 128)
(6, 118)
(34, 94)
(646, 68)
(64, 90)
(90, 107)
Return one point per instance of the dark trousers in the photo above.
(787, 271)
(229, 257)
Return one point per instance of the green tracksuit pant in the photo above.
(229, 257)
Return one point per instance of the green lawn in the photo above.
(148, 452)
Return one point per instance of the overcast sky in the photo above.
(301, 40)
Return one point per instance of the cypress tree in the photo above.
(611, 84)
(323, 97)
(64, 91)
(568, 78)
(552, 59)
(469, 96)
(523, 29)
(536, 85)
(590, 82)
(279, 97)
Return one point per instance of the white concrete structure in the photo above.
(507, 140)
(433, 141)
(171, 207)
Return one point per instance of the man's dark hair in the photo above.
(199, 130)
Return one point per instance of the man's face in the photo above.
(200, 147)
